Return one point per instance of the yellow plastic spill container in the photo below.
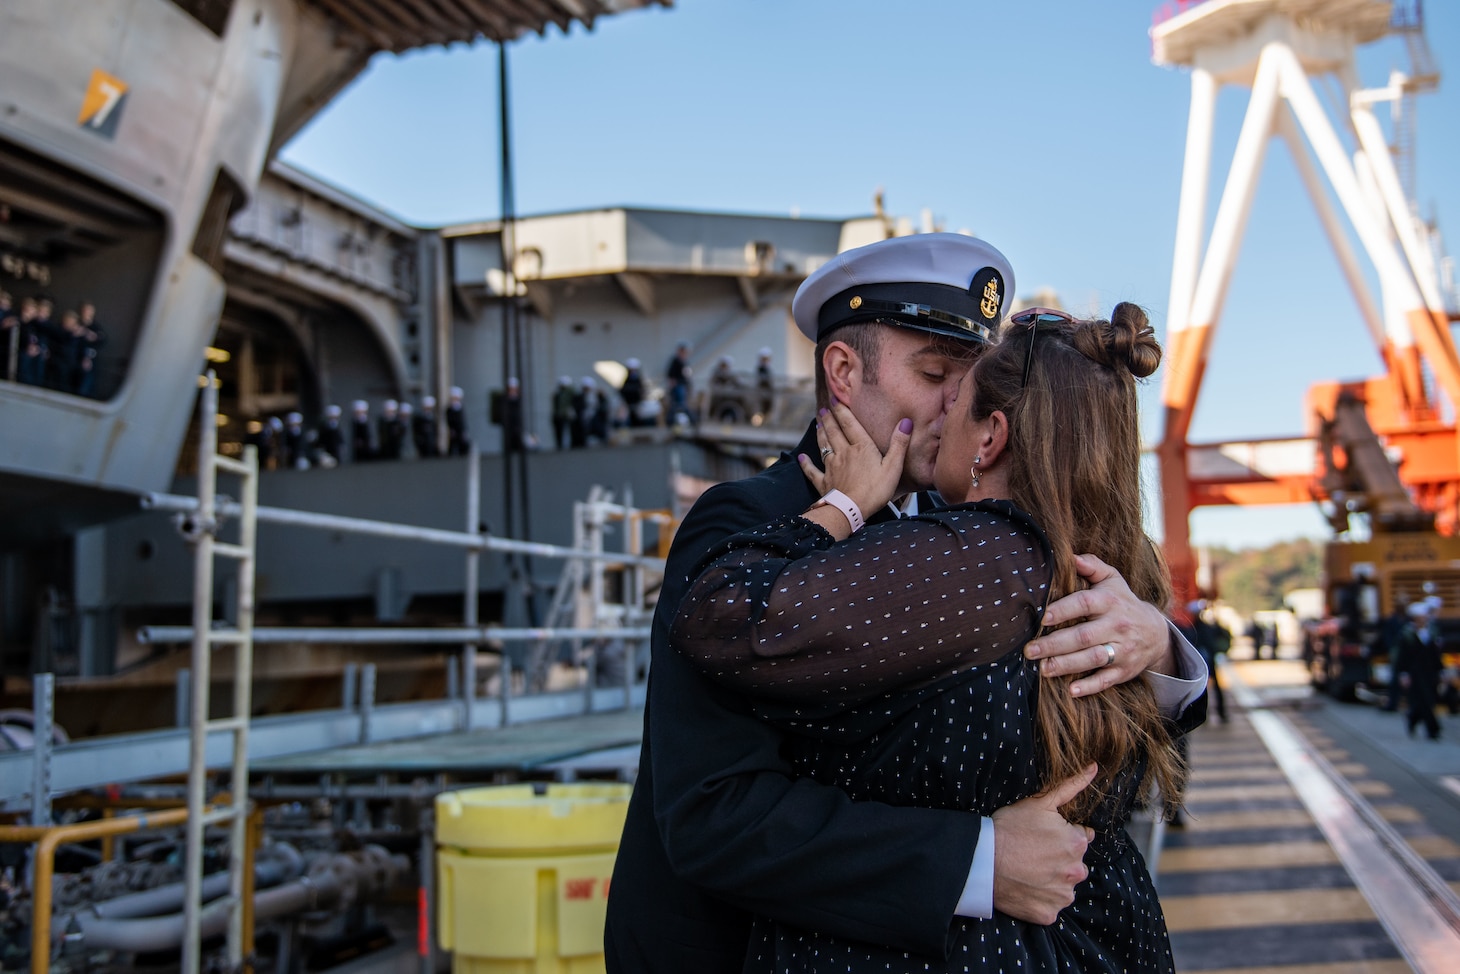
(523, 876)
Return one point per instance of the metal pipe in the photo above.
(47, 839)
(330, 879)
(441, 331)
(135, 934)
(481, 635)
(169, 897)
(469, 618)
(332, 522)
(243, 830)
(248, 904)
(43, 697)
(200, 663)
(426, 894)
(158, 900)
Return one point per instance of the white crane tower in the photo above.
(1277, 48)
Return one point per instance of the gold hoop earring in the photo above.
(973, 471)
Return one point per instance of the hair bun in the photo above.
(1126, 341)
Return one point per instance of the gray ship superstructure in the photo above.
(138, 178)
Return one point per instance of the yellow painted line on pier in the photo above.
(1428, 846)
(1371, 789)
(1247, 758)
(1257, 855)
(1265, 909)
(1222, 793)
(1202, 775)
(1398, 813)
(1271, 818)
(1229, 747)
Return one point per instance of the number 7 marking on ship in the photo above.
(103, 96)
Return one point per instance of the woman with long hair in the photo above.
(892, 654)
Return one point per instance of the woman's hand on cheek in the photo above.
(854, 463)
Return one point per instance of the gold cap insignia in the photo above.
(989, 305)
(856, 303)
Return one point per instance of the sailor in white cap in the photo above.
(457, 441)
(405, 424)
(897, 324)
(330, 437)
(361, 446)
(295, 455)
(388, 431)
(271, 444)
(1419, 665)
(507, 412)
(423, 428)
(940, 283)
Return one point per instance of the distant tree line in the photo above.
(1258, 578)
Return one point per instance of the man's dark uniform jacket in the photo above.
(719, 829)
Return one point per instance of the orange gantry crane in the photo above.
(1276, 48)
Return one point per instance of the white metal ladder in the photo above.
(202, 529)
(571, 606)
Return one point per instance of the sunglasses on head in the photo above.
(1030, 318)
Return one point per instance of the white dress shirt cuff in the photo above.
(977, 901)
(1175, 693)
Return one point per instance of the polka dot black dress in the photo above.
(894, 662)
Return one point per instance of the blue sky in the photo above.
(1041, 125)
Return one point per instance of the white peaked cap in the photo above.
(943, 283)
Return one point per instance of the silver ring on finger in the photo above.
(1109, 654)
(826, 452)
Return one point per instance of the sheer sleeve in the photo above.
(784, 613)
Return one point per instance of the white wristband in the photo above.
(843, 503)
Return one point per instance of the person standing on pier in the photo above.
(423, 428)
(361, 447)
(458, 443)
(564, 412)
(1419, 666)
